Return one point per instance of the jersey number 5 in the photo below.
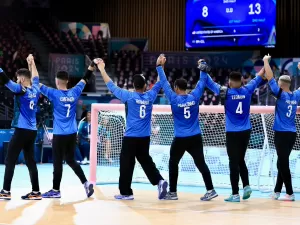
(142, 111)
(186, 112)
(69, 107)
(239, 109)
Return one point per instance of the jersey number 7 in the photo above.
(69, 107)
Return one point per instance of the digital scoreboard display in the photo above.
(230, 23)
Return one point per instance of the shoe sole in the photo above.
(51, 197)
(214, 196)
(163, 193)
(91, 190)
(247, 196)
(170, 199)
(5, 198)
(125, 199)
(33, 199)
(232, 201)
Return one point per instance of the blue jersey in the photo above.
(237, 104)
(286, 108)
(64, 107)
(185, 108)
(25, 104)
(139, 109)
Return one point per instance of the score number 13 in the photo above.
(254, 9)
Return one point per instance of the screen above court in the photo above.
(230, 23)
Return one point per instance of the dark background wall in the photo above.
(162, 21)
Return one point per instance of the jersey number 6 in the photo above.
(142, 111)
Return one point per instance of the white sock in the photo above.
(55, 190)
(35, 192)
(6, 191)
(210, 191)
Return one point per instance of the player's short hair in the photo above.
(235, 76)
(285, 79)
(24, 72)
(181, 84)
(139, 81)
(62, 75)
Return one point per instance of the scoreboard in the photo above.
(230, 23)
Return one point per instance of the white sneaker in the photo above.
(287, 197)
(275, 195)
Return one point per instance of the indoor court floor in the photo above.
(146, 209)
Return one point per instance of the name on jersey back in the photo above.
(67, 99)
(238, 97)
(187, 104)
(141, 102)
(32, 95)
(293, 102)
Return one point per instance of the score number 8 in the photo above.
(205, 11)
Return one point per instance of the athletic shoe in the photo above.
(275, 196)
(247, 192)
(32, 196)
(209, 195)
(171, 196)
(51, 194)
(162, 189)
(287, 197)
(124, 197)
(89, 189)
(5, 195)
(233, 198)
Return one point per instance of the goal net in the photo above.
(108, 126)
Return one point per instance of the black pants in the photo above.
(284, 143)
(136, 147)
(63, 147)
(194, 146)
(237, 144)
(21, 139)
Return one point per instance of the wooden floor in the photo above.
(73, 208)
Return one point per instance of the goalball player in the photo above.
(26, 92)
(65, 129)
(136, 141)
(284, 128)
(185, 110)
(237, 101)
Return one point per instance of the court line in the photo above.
(212, 211)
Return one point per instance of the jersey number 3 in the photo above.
(289, 113)
(239, 109)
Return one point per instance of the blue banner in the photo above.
(189, 59)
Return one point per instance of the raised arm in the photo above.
(269, 75)
(254, 83)
(32, 67)
(14, 87)
(210, 84)
(121, 94)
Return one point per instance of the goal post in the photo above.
(108, 126)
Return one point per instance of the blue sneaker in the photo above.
(32, 196)
(247, 192)
(162, 189)
(233, 198)
(124, 197)
(51, 194)
(209, 195)
(89, 189)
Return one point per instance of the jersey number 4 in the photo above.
(239, 109)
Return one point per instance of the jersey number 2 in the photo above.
(142, 111)
(239, 109)
(69, 107)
